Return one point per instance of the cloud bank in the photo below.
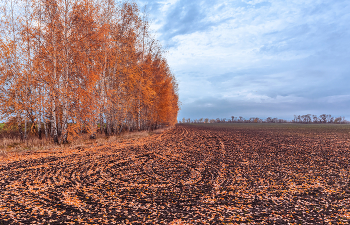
(257, 58)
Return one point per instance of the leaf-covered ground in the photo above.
(188, 175)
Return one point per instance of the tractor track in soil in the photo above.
(200, 175)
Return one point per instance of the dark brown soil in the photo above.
(188, 175)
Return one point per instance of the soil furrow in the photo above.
(203, 175)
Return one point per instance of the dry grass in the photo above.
(31, 144)
(13, 149)
(159, 131)
(34, 144)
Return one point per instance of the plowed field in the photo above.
(188, 174)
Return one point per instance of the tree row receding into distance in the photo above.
(73, 66)
(323, 118)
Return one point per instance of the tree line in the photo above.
(323, 118)
(73, 66)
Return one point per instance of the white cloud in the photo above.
(259, 52)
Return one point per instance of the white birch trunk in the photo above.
(25, 127)
(54, 117)
(46, 130)
(54, 121)
(66, 76)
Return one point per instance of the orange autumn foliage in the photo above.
(68, 67)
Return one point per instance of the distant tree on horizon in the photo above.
(308, 118)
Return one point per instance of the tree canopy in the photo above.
(73, 65)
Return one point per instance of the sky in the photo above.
(256, 58)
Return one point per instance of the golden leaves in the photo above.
(84, 69)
